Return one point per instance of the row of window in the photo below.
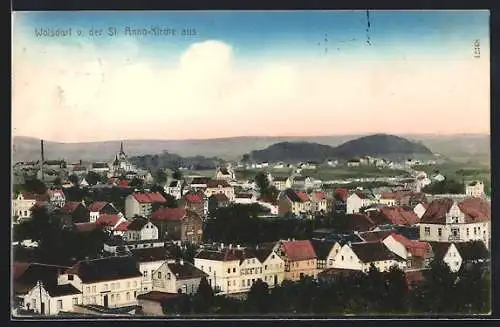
(107, 287)
(454, 231)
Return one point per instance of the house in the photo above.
(445, 220)
(110, 282)
(74, 212)
(140, 204)
(360, 256)
(417, 254)
(150, 259)
(83, 183)
(448, 253)
(320, 202)
(24, 202)
(250, 268)
(269, 203)
(216, 201)
(175, 189)
(225, 173)
(421, 182)
(199, 183)
(178, 224)
(302, 182)
(334, 250)
(79, 170)
(293, 202)
(140, 229)
(111, 221)
(282, 182)
(101, 168)
(222, 266)
(219, 187)
(475, 189)
(420, 209)
(273, 266)
(353, 163)
(100, 207)
(56, 197)
(358, 200)
(245, 198)
(473, 253)
(154, 303)
(340, 196)
(37, 289)
(322, 250)
(196, 202)
(177, 277)
(438, 177)
(300, 259)
(396, 215)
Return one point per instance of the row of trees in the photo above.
(448, 186)
(374, 293)
(242, 224)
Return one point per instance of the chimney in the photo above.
(181, 262)
(238, 246)
(222, 245)
(87, 259)
(230, 246)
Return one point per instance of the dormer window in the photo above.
(70, 277)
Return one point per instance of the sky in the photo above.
(253, 73)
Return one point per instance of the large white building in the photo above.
(475, 189)
(358, 200)
(177, 276)
(446, 220)
(222, 267)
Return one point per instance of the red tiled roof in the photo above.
(193, 198)
(268, 199)
(122, 227)
(169, 214)
(85, 227)
(416, 248)
(97, 206)
(149, 197)
(361, 195)
(108, 220)
(342, 193)
(474, 209)
(299, 250)
(33, 196)
(55, 191)
(19, 268)
(375, 236)
(391, 196)
(303, 196)
(70, 207)
(123, 183)
(215, 183)
(359, 222)
(399, 215)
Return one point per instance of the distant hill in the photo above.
(456, 147)
(381, 145)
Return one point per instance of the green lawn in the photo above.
(331, 173)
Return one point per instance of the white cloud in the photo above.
(81, 93)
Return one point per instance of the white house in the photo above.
(219, 186)
(273, 267)
(420, 209)
(174, 188)
(174, 277)
(150, 259)
(53, 298)
(417, 254)
(111, 282)
(438, 177)
(445, 220)
(449, 254)
(222, 267)
(22, 204)
(140, 204)
(56, 197)
(475, 189)
(140, 229)
(333, 253)
(100, 207)
(225, 173)
(360, 256)
(250, 269)
(282, 182)
(358, 200)
(245, 198)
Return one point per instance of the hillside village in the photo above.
(111, 238)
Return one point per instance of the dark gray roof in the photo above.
(105, 269)
(185, 270)
(137, 224)
(322, 248)
(371, 252)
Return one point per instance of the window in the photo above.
(272, 256)
(342, 258)
(87, 289)
(75, 300)
(70, 277)
(112, 297)
(159, 275)
(350, 258)
(440, 232)
(265, 267)
(135, 294)
(248, 282)
(475, 231)
(94, 289)
(234, 282)
(145, 273)
(201, 268)
(209, 269)
(128, 296)
(242, 283)
(25, 212)
(467, 232)
(105, 287)
(118, 297)
(427, 231)
(228, 270)
(94, 300)
(234, 270)
(34, 303)
(169, 276)
(59, 304)
(228, 283)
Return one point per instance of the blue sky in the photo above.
(244, 66)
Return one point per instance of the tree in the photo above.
(177, 174)
(245, 158)
(258, 297)
(262, 182)
(397, 291)
(73, 179)
(161, 177)
(35, 185)
(136, 182)
(93, 178)
(203, 300)
(57, 181)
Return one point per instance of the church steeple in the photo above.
(121, 148)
